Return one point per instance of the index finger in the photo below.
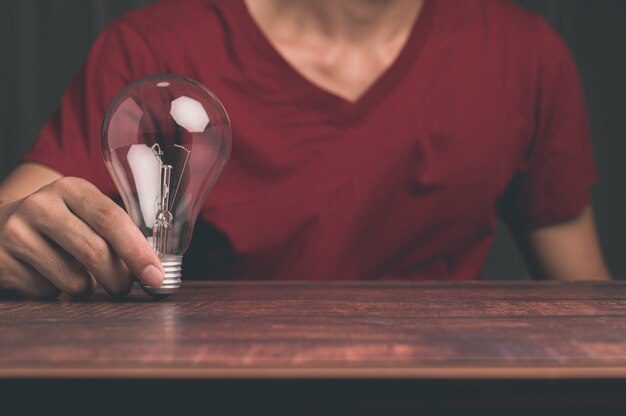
(114, 225)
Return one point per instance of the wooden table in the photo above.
(403, 344)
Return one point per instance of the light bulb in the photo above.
(165, 142)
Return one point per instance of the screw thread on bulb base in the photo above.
(172, 266)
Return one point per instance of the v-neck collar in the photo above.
(335, 106)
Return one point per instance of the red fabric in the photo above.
(483, 102)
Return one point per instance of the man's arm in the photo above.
(26, 179)
(567, 251)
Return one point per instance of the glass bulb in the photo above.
(165, 142)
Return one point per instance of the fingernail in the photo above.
(152, 276)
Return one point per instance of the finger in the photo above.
(115, 226)
(24, 279)
(51, 262)
(90, 250)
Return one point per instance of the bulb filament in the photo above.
(162, 231)
(163, 226)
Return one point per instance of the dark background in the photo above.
(44, 42)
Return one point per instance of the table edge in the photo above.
(543, 372)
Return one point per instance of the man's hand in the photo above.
(68, 237)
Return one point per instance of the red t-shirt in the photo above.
(482, 113)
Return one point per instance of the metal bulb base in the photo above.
(172, 266)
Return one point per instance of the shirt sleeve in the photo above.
(554, 180)
(69, 141)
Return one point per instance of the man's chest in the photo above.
(441, 153)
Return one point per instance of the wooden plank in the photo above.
(317, 330)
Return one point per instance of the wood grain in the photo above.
(325, 330)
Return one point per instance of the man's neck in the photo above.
(342, 46)
(345, 21)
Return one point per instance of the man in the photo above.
(372, 139)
